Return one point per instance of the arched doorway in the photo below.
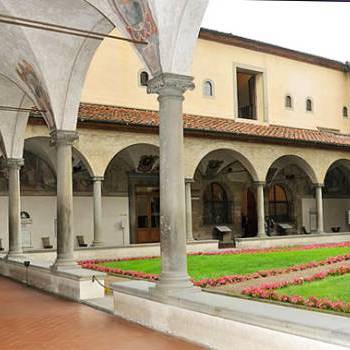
(336, 197)
(131, 186)
(290, 196)
(278, 204)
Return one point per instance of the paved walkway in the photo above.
(239, 287)
(32, 320)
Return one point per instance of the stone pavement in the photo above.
(237, 288)
(33, 320)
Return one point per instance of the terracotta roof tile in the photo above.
(139, 117)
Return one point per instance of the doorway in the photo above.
(147, 214)
(249, 214)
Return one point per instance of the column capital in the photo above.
(189, 180)
(97, 178)
(260, 183)
(63, 137)
(318, 185)
(14, 163)
(170, 84)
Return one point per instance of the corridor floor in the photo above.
(32, 320)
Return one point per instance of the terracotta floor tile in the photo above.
(32, 320)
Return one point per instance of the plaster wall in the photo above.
(113, 79)
(335, 213)
(43, 214)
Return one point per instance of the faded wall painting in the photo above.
(37, 176)
(28, 75)
(82, 183)
(141, 26)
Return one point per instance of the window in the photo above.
(246, 89)
(345, 112)
(278, 204)
(309, 106)
(288, 102)
(216, 205)
(208, 89)
(144, 78)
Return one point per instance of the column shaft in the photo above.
(188, 193)
(261, 209)
(319, 206)
(15, 234)
(174, 276)
(63, 141)
(98, 239)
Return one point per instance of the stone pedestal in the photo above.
(319, 206)
(98, 234)
(188, 195)
(260, 201)
(14, 191)
(63, 141)
(174, 277)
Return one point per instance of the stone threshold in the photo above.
(324, 328)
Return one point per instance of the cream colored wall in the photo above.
(335, 213)
(43, 214)
(113, 80)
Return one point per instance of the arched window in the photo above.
(144, 78)
(345, 112)
(208, 88)
(216, 205)
(309, 106)
(288, 102)
(278, 204)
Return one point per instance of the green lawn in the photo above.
(213, 266)
(335, 288)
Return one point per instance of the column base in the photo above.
(97, 244)
(172, 284)
(65, 264)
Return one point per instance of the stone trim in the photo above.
(175, 82)
(63, 137)
(14, 163)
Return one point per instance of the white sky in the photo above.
(319, 28)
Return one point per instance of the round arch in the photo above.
(345, 163)
(233, 154)
(127, 147)
(301, 163)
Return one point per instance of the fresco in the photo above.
(28, 75)
(140, 24)
(36, 175)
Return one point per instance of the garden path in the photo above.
(239, 287)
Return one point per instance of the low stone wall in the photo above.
(75, 284)
(225, 323)
(285, 241)
(132, 251)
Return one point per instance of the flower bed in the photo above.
(268, 291)
(210, 282)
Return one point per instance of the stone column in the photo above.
(14, 191)
(174, 276)
(319, 206)
(98, 239)
(260, 205)
(188, 194)
(63, 141)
